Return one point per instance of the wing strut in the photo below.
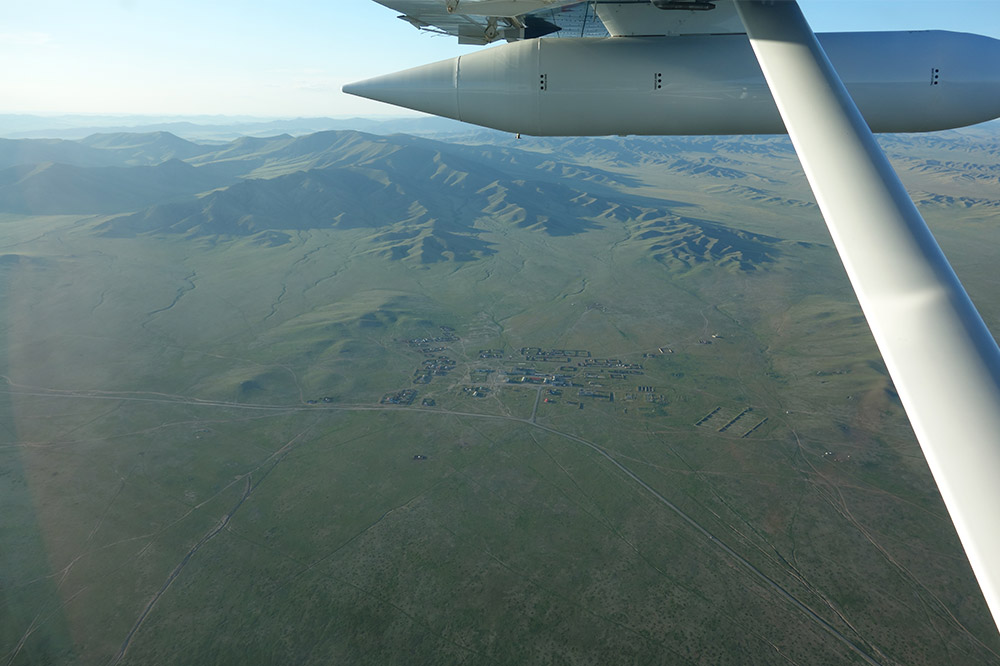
(940, 355)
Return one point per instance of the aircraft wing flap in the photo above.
(665, 17)
(485, 21)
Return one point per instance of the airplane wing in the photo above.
(486, 21)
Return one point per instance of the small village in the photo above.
(563, 376)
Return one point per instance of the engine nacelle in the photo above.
(699, 84)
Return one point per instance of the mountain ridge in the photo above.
(429, 200)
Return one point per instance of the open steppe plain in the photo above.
(344, 398)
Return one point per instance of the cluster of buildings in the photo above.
(404, 397)
(531, 376)
(556, 368)
(532, 354)
(613, 364)
(447, 335)
(433, 367)
(588, 393)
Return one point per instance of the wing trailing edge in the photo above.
(487, 21)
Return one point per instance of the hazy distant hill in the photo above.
(52, 189)
(419, 197)
(427, 199)
(150, 148)
(38, 151)
(215, 128)
(100, 150)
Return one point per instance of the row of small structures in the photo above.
(712, 416)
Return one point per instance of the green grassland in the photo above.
(198, 462)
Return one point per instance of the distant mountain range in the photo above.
(424, 198)
(427, 200)
(213, 128)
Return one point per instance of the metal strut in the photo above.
(940, 355)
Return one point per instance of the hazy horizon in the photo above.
(258, 59)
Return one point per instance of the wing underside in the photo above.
(486, 21)
(483, 21)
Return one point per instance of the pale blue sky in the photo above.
(282, 58)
